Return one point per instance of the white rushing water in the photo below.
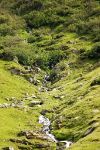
(46, 129)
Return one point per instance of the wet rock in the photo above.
(46, 129)
(61, 145)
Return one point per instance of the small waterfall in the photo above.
(46, 129)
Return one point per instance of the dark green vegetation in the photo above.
(62, 37)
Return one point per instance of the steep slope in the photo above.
(50, 65)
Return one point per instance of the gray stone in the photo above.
(31, 80)
(8, 148)
(33, 96)
(11, 148)
(33, 103)
(89, 131)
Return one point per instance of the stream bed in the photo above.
(46, 129)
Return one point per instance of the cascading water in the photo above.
(46, 129)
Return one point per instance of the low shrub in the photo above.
(95, 52)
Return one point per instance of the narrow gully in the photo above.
(46, 129)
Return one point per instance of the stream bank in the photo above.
(46, 130)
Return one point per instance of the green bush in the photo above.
(95, 52)
(23, 6)
(53, 76)
(6, 30)
(32, 39)
(54, 57)
(24, 53)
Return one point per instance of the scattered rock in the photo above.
(4, 105)
(33, 96)
(21, 141)
(7, 99)
(8, 148)
(11, 148)
(96, 111)
(16, 105)
(15, 71)
(13, 98)
(43, 89)
(36, 69)
(59, 97)
(43, 112)
(34, 81)
(31, 80)
(33, 103)
(27, 96)
(32, 135)
(89, 131)
(61, 145)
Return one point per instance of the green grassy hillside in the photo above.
(59, 40)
